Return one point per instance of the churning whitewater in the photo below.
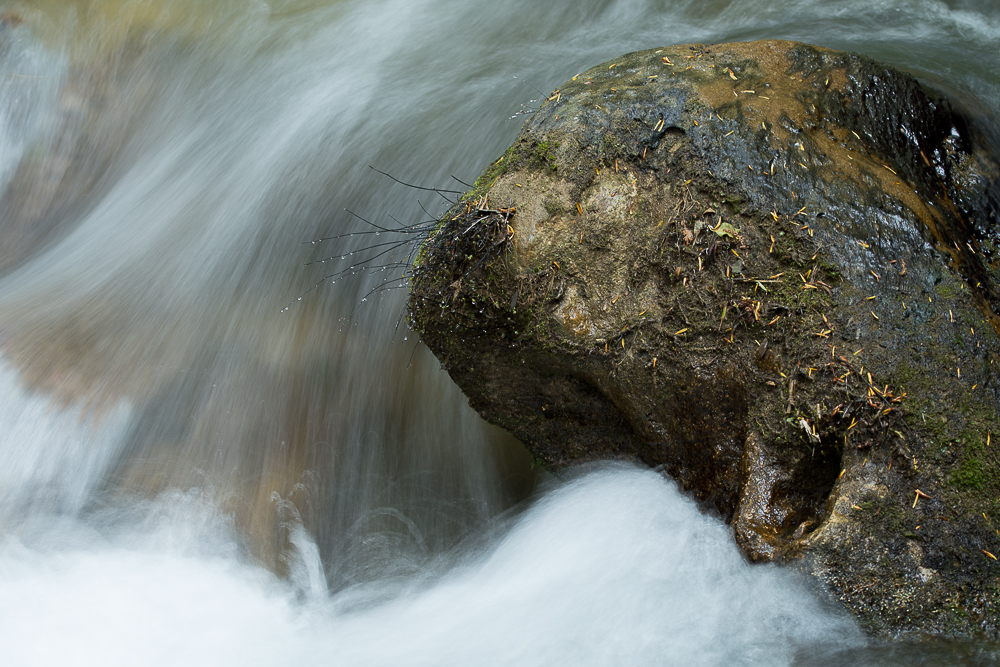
(189, 475)
(613, 568)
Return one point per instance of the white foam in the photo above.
(615, 568)
(200, 224)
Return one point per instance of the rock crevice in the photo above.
(767, 268)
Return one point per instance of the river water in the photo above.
(210, 455)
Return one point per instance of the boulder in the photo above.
(770, 270)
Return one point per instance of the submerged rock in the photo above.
(769, 268)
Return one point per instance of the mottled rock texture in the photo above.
(770, 269)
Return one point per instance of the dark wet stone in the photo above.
(768, 268)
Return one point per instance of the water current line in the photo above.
(161, 172)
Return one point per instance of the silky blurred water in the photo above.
(192, 473)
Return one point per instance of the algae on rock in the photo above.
(768, 268)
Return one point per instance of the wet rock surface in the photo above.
(769, 268)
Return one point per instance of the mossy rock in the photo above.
(767, 268)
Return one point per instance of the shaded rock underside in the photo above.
(770, 269)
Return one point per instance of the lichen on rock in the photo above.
(768, 268)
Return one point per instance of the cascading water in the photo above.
(192, 473)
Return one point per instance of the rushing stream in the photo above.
(192, 473)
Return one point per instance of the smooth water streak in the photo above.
(172, 438)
